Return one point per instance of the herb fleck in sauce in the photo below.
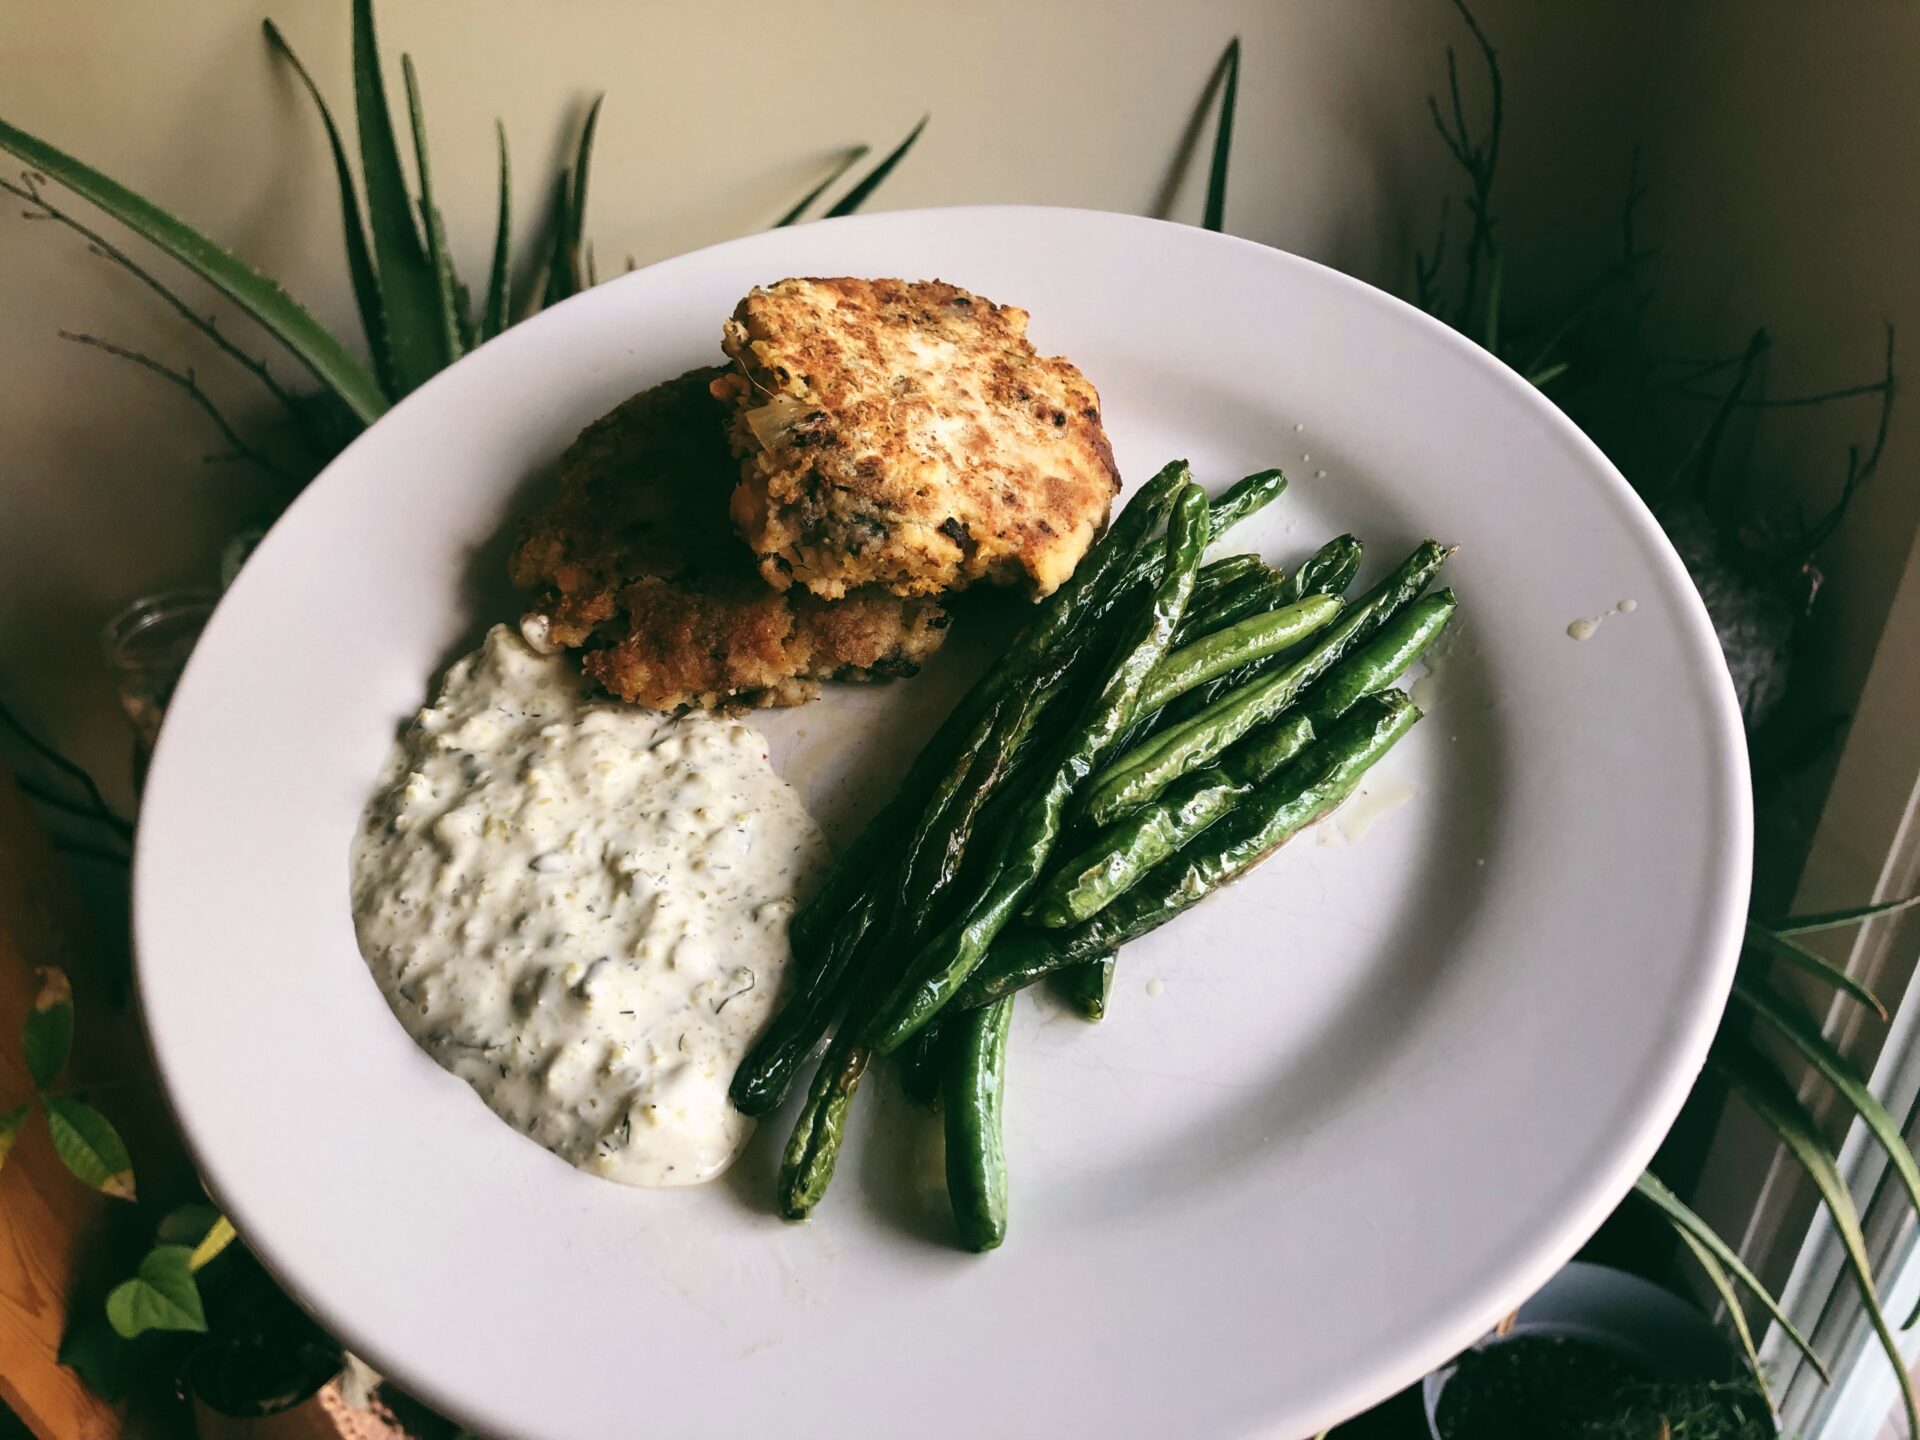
(581, 909)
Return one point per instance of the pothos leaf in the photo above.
(48, 1039)
(218, 1237)
(90, 1147)
(94, 1352)
(161, 1296)
(185, 1224)
(10, 1126)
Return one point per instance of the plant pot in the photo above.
(1620, 1314)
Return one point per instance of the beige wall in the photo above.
(705, 135)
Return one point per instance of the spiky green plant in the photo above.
(1565, 356)
(416, 314)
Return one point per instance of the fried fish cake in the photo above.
(637, 564)
(907, 435)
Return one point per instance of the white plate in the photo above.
(1391, 1083)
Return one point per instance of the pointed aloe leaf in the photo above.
(1780, 948)
(416, 323)
(161, 1296)
(577, 220)
(10, 1126)
(447, 284)
(1216, 212)
(840, 167)
(1808, 1040)
(560, 258)
(90, 1147)
(1834, 919)
(1773, 1100)
(493, 315)
(1723, 1286)
(279, 314)
(1650, 1188)
(366, 284)
(870, 182)
(47, 1039)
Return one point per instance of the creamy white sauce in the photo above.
(580, 908)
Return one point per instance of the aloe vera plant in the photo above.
(416, 314)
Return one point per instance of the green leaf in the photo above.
(11, 1123)
(90, 1147)
(1717, 1277)
(1496, 277)
(1781, 948)
(1773, 1100)
(493, 316)
(1834, 919)
(366, 284)
(218, 1237)
(1691, 1227)
(1215, 215)
(161, 1296)
(282, 316)
(438, 258)
(840, 167)
(94, 1351)
(870, 182)
(416, 330)
(47, 1040)
(185, 1224)
(566, 265)
(582, 162)
(560, 255)
(1808, 1040)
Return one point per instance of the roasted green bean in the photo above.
(1142, 773)
(973, 1102)
(1086, 985)
(1241, 643)
(1273, 814)
(1121, 854)
(945, 961)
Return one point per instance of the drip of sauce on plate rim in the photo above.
(1586, 627)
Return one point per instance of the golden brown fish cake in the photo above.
(907, 435)
(637, 563)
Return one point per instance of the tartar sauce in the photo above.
(581, 908)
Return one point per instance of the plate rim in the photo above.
(1626, 1155)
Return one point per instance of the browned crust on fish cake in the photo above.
(638, 565)
(908, 435)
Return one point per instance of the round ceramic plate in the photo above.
(1340, 1118)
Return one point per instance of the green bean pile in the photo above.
(1157, 729)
